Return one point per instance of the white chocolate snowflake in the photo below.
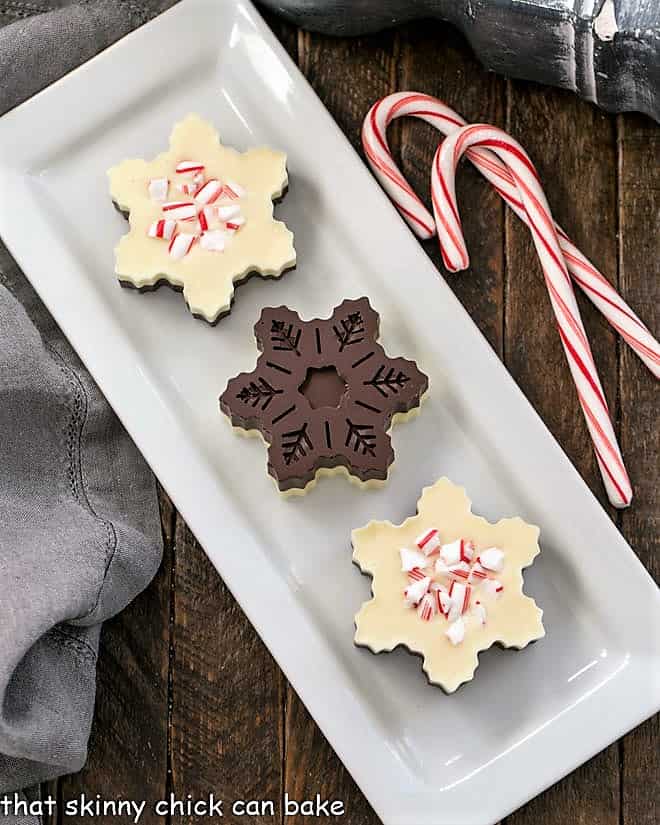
(201, 218)
(449, 595)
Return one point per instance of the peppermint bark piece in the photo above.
(201, 218)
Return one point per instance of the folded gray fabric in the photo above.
(79, 524)
(37, 49)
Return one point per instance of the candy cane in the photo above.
(446, 120)
(562, 297)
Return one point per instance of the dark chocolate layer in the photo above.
(323, 394)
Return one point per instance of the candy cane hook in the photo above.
(562, 297)
(446, 120)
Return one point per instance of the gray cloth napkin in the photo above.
(79, 524)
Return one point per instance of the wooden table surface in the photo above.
(189, 699)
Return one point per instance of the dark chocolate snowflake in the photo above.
(323, 394)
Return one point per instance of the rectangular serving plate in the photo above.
(421, 758)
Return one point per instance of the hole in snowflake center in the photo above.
(323, 387)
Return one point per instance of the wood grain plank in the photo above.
(348, 75)
(437, 60)
(128, 745)
(639, 149)
(312, 767)
(574, 148)
(227, 695)
(50, 790)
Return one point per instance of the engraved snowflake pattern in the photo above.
(201, 218)
(306, 433)
(401, 611)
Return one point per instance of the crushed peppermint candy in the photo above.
(181, 244)
(162, 229)
(158, 189)
(235, 223)
(450, 580)
(180, 210)
(458, 551)
(414, 593)
(189, 167)
(428, 542)
(456, 632)
(492, 559)
(427, 607)
(460, 596)
(444, 602)
(477, 572)
(492, 587)
(226, 212)
(461, 570)
(416, 574)
(215, 223)
(209, 191)
(233, 190)
(480, 612)
(187, 188)
(411, 559)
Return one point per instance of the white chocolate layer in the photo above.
(262, 245)
(328, 472)
(384, 622)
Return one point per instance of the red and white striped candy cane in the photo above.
(446, 120)
(562, 297)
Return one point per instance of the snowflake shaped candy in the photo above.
(201, 218)
(447, 584)
(323, 395)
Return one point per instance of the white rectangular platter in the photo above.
(422, 758)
